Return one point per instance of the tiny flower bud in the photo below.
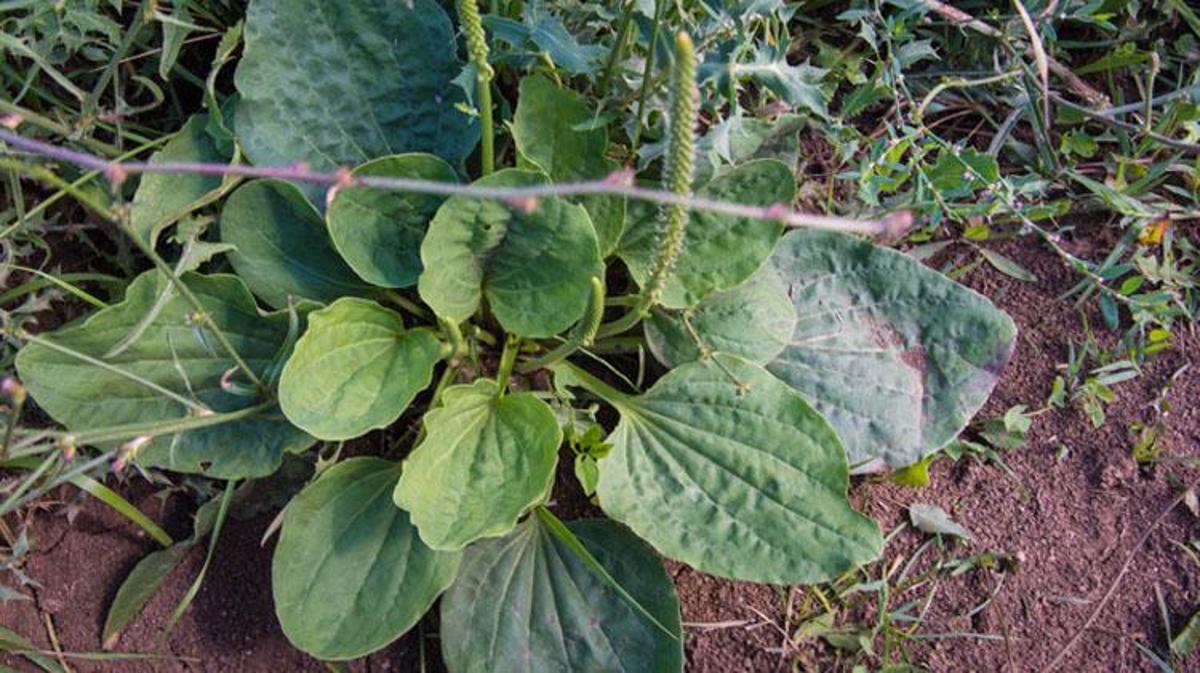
(66, 444)
(524, 204)
(11, 121)
(128, 450)
(116, 175)
(13, 390)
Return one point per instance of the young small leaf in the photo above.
(485, 460)
(355, 369)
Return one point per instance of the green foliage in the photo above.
(722, 456)
(486, 459)
(754, 320)
(896, 356)
(534, 268)
(171, 372)
(547, 138)
(350, 574)
(379, 233)
(544, 610)
(162, 199)
(281, 247)
(785, 359)
(365, 365)
(332, 85)
(720, 251)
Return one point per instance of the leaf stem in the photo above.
(618, 50)
(508, 357)
(405, 303)
(592, 384)
(660, 10)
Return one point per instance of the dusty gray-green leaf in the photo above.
(176, 355)
(282, 247)
(534, 268)
(754, 320)
(355, 369)
(935, 521)
(544, 132)
(719, 251)
(896, 356)
(723, 467)
(378, 231)
(163, 198)
(350, 575)
(525, 603)
(485, 460)
(342, 83)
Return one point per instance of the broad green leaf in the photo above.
(723, 467)
(282, 247)
(754, 320)
(350, 574)
(173, 361)
(896, 356)
(486, 458)
(379, 232)
(355, 369)
(534, 268)
(719, 251)
(526, 603)
(343, 83)
(163, 198)
(544, 131)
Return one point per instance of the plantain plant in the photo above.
(486, 333)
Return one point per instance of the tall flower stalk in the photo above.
(477, 50)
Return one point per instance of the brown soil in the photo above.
(1069, 518)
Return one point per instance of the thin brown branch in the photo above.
(619, 183)
(1072, 81)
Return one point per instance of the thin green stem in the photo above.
(660, 10)
(508, 357)
(118, 433)
(592, 384)
(406, 304)
(618, 50)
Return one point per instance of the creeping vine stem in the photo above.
(477, 49)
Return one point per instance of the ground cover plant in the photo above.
(540, 235)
